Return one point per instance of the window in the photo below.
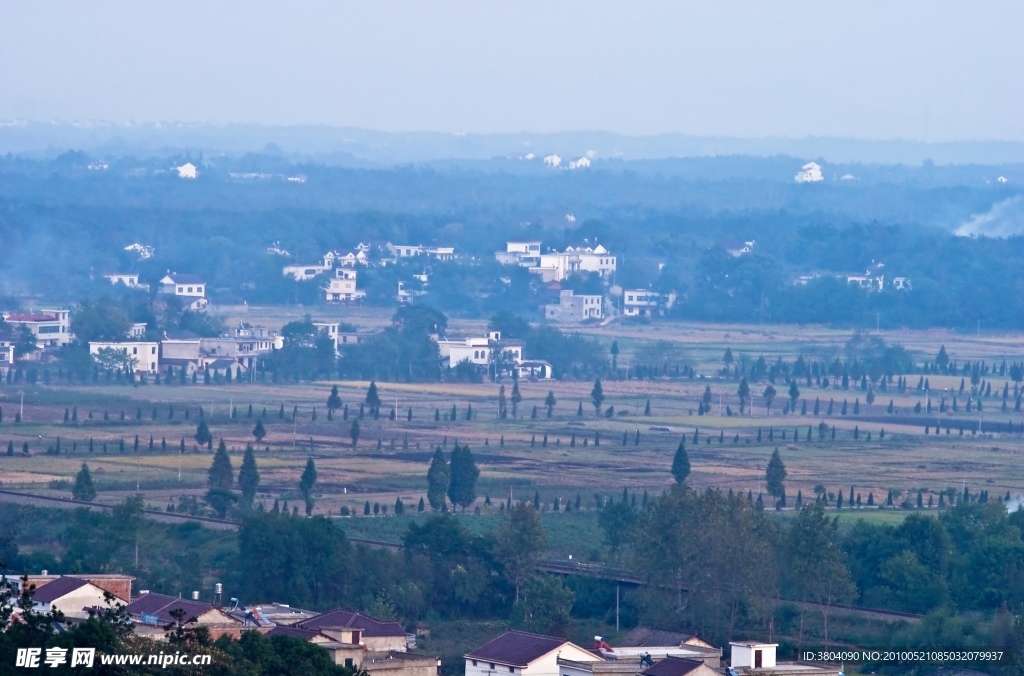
(474, 663)
(199, 289)
(49, 329)
(492, 666)
(511, 670)
(348, 662)
(135, 350)
(152, 350)
(181, 289)
(190, 289)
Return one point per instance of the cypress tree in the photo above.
(306, 483)
(681, 463)
(83, 488)
(249, 476)
(464, 474)
(438, 478)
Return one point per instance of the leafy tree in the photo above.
(373, 398)
(83, 489)
(100, 320)
(463, 473)
(544, 605)
(744, 394)
(502, 403)
(203, 435)
(353, 433)
(438, 480)
(509, 325)
(515, 398)
(615, 354)
(617, 521)
(333, 401)
(306, 483)
(775, 475)
(520, 541)
(681, 463)
(794, 394)
(597, 396)
(248, 476)
(259, 431)
(769, 397)
(220, 479)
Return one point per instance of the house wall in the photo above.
(546, 665)
(72, 603)
(381, 666)
(146, 354)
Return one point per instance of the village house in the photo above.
(760, 658)
(358, 641)
(6, 357)
(572, 308)
(191, 289)
(152, 612)
(117, 584)
(242, 350)
(144, 355)
(73, 596)
(584, 257)
(525, 254)
(129, 279)
(526, 654)
(440, 253)
(187, 170)
(342, 287)
(180, 351)
(51, 328)
(138, 331)
(646, 303)
(329, 329)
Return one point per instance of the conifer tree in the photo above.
(248, 476)
(306, 483)
(438, 478)
(681, 463)
(259, 431)
(83, 488)
(464, 474)
(219, 482)
(775, 474)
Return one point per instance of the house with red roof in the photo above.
(51, 328)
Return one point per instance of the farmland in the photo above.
(585, 456)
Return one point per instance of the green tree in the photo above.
(463, 473)
(544, 605)
(353, 433)
(617, 521)
(794, 394)
(775, 475)
(615, 354)
(681, 463)
(100, 320)
(248, 476)
(744, 394)
(83, 489)
(597, 396)
(219, 481)
(306, 483)
(333, 401)
(769, 397)
(373, 398)
(550, 402)
(438, 478)
(259, 431)
(203, 435)
(515, 398)
(520, 541)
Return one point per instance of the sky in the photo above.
(920, 70)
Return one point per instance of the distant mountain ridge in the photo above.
(354, 146)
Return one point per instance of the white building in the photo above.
(809, 173)
(187, 170)
(52, 328)
(6, 357)
(329, 329)
(760, 658)
(645, 303)
(342, 287)
(441, 253)
(524, 654)
(145, 355)
(478, 350)
(552, 161)
(303, 272)
(583, 257)
(71, 596)
(126, 278)
(736, 248)
(526, 254)
(573, 308)
(581, 163)
(901, 283)
(190, 288)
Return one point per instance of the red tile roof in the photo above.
(672, 666)
(161, 605)
(51, 591)
(516, 648)
(347, 618)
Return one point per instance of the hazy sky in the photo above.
(930, 70)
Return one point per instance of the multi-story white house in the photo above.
(441, 253)
(6, 357)
(51, 328)
(573, 308)
(646, 303)
(584, 257)
(482, 351)
(342, 287)
(144, 355)
(526, 254)
(190, 288)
